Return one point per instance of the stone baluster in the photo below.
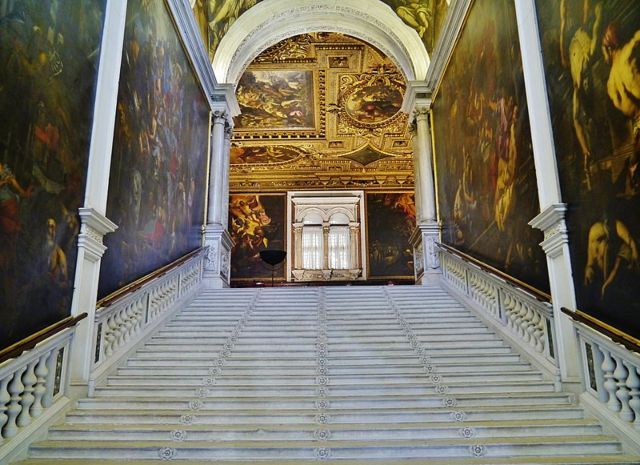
(52, 360)
(41, 385)
(13, 409)
(622, 393)
(29, 381)
(633, 383)
(608, 367)
(5, 397)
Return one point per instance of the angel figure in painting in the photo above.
(419, 15)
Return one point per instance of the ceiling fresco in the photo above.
(321, 110)
(215, 17)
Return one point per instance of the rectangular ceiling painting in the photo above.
(159, 161)
(49, 53)
(591, 51)
(484, 160)
(276, 100)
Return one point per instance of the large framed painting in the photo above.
(484, 160)
(160, 151)
(256, 222)
(391, 219)
(590, 52)
(49, 53)
(276, 100)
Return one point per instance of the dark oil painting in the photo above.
(591, 52)
(49, 53)
(391, 219)
(159, 161)
(263, 154)
(485, 171)
(276, 100)
(424, 16)
(256, 222)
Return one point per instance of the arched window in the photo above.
(339, 242)
(312, 242)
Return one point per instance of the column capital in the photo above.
(220, 117)
(422, 111)
(228, 130)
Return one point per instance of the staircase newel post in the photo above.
(427, 232)
(551, 220)
(216, 236)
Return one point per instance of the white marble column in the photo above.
(325, 246)
(354, 236)
(94, 223)
(551, 220)
(297, 240)
(427, 232)
(216, 237)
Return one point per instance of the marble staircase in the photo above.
(349, 375)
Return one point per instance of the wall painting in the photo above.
(591, 54)
(256, 222)
(159, 162)
(391, 219)
(485, 172)
(49, 53)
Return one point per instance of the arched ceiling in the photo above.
(321, 110)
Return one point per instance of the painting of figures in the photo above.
(591, 52)
(485, 172)
(424, 16)
(269, 154)
(49, 54)
(256, 222)
(276, 100)
(159, 161)
(391, 219)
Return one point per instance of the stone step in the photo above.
(308, 416)
(334, 402)
(351, 449)
(310, 369)
(615, 459)
(336, 432)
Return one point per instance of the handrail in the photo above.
(614, 334)
(31, 341)
(135, 285)
(537, 293)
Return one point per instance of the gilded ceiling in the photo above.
(321, 110)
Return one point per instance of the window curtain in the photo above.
(339, 248)
(312, 253)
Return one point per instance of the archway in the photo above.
(271, 21)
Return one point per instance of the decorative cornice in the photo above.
(94, 226)
(552, 223)
(451, 30)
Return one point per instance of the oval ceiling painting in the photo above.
(373, 103)
(263, 154)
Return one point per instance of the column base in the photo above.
(425, 256)
(217, 269)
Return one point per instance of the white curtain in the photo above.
(312, 253)
(339, 248)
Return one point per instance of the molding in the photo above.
(271, 21)
(94, 226)
(552, 223)
(190, 34)
(417, 95)
(451, 30)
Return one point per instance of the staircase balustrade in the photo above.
(518, 314)
(611, 375)
(32, 384)
(129, 320)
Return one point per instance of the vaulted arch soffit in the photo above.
(272, 21)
